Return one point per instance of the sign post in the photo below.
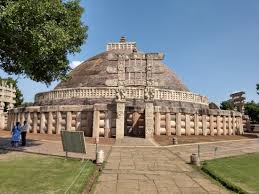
(73, 141)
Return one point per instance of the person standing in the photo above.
(24, 132)
(16, 134)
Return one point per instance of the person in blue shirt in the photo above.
(16, 134)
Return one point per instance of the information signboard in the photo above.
(73, 141)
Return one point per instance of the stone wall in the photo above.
(102, 120)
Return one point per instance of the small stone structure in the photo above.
(7, 95)
(238, 99)
(124, 92)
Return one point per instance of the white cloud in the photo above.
(74, 64)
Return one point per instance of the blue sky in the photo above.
(212, 45)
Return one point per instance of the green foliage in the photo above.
(36, 37)
(239, 173)
(227, 105)
(252, 110)
(19, 96)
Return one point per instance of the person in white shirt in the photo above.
(24, 132)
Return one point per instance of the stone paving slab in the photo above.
(165, 169)
(151, 170)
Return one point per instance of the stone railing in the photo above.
(128, 93)
(97, 120)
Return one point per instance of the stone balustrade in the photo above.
(99, 121)
(111, 93)
(215, 122)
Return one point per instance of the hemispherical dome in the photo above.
(122, 73)
(102, 70)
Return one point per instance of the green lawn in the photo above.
(239, 172)
(31, 174)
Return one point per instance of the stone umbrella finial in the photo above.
(123, 39)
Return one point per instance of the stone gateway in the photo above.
(125, 92)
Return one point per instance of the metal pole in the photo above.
(96, 148)
(199, 150)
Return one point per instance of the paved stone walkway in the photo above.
(151, 170)
(134, 141)
(164, 170)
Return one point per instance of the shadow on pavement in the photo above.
(5, 145)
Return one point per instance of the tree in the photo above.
(227, 105)
(257, 88)
(252, 110)
(19, 96)
(36, 37)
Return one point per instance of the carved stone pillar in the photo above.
(50, 122)
(178, 124)
(120, 119)
(218, 125)
(2, 116)
(78, 121)
(224, 125)
(241, 129)
(107, 125)
(229, 125)
(42, 122)
(69, 121)
(19, 117)
(29, 121)
(22, 118)
(204, 125)
(187, 124)
(168, 124)
(14, 118)
(2, 120)
(234, 125)
(149, 119)
(211, 125)
(196, 126)
(58, 122)
(35, 122)
(10, 120)
(157, 123)
(96, 124)
(2, 104)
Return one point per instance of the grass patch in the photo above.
(30, 174)
(239, 173)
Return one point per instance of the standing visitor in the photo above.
(23, 132)
(16, 133)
